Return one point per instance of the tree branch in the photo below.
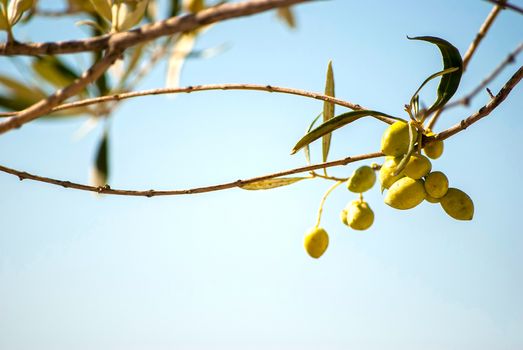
(147, 32)
(507, 5)
(44, 106)
(465, 100)
(485, 110)
(482, 32)
(22, 175)
(196, 88)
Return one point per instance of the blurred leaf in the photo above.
(22, 91)
(182, 48)
(193, 6)
(127, 13)
(272, 183)
(287, 16)
(100, 172)
(307, 150)
(134, 58)
(3, 19)
(16, 9)
(175, 8)
(334, 124)
(54, 71)
(449, 82)
(328, 111)
(103, 8)
(15, 103)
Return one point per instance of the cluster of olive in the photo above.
(408, 178)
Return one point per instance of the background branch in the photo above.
(484, 111)
(147, 32)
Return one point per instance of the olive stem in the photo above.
(323, 199)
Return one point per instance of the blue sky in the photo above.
(227, 270)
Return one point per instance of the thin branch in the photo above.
(482, 32)
(507, 5)
(485, 110)
(471, 50)
(189, 89)
(22, 175)
(46, 105)
(147, 32)
(465, 100)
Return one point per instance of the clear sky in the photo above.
(227, 270)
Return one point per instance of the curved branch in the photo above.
(147, 32)
(22, 175)
(44, 106)
(485, 110)
(196, 88)
(465, 100)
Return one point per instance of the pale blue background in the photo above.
(227, 270)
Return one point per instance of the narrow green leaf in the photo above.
(20, 90)
(433, 76)
(54, 71)
(272, 183)
(307, 150)
(334, 124)
(328, 110)
(174, 8)
(449, 82)
(101, 164)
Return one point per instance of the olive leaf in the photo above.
(307, 150)
(328, 110)
(103, 8)
(126, 13)
(271, 183)
(334, 124)
(3, 19)
(174, 8)
(19, 95)
(286, 15)
(450, 81)
(194, 6)
(54, 71)
(414, 98)
(182, 48)
(16, 10)
(100, 172)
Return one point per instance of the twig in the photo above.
(465, 100)
(485, 110)
(22, 175)
(46, 105)
(470, 51)
(196, 88)
(482, 32)
(507, 5)
(147, 32)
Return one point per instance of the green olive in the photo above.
(316, 242)
(387, 170)
(362, 179)
(396, 139)
(417, 166)
(436, 184)
(359, 215)
(457, 204)
(406, 193)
